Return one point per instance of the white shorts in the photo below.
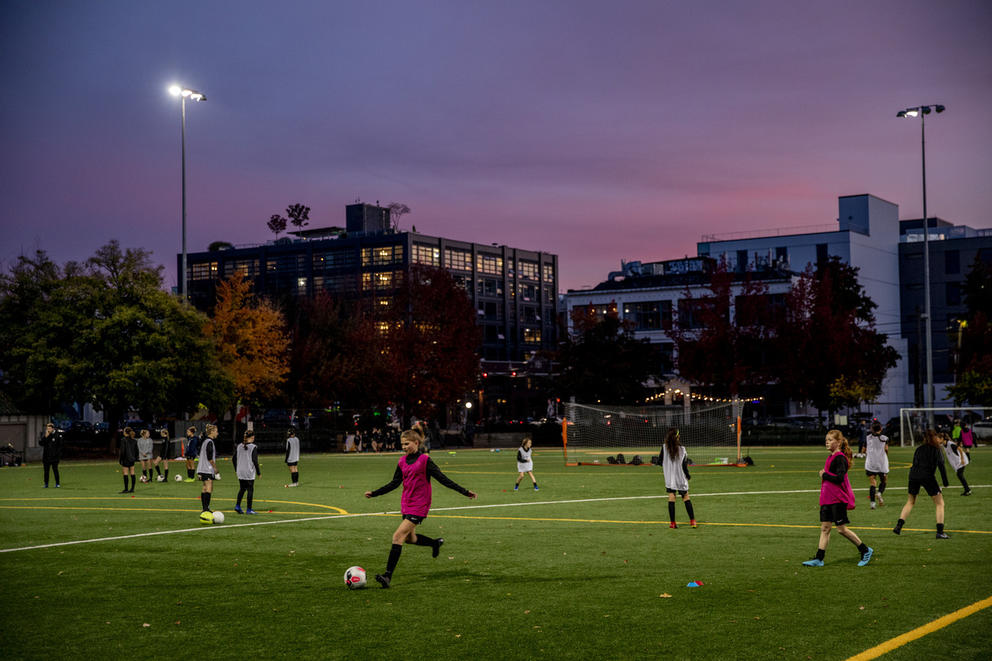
(523, 468)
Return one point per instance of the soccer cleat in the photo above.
(383, 580)
(535, 488)
(881, 501)
(866, 557)
(966, 493)
(237, 508)
(873, 505)
(124, 491)
(189, 479)
(516, 487)
(58, 486)
(815, 562)
(692, 523)
(671, 524)
(943, 535)
(437, 546)
(251, 511)
(46, 486)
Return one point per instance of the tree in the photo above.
(251, 340)
(829, 352)
(103, 333)
(430, 342)
(296, 214)
(721, 349)
(603, 362)
(973, 382)
(396, 211)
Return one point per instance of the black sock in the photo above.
(689, 510)
(862, 548)
(205, 501)
(871, 493)
(144, 473)
(132, 482)
(167, 473)
(820, 554)
(900, 523)
(394, 558)
(157, 469)
(189, 473)
(296, 477)
(125, 482)
(940, 527)
(671, 511)
(424, 540)
(881, 487)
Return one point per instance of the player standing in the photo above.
(877, 463)
(51, 455)
(958, 459)
(836, 497)
(414, 471)
(926, 460)
(190, 452)
(206, 468)
(127, 456)
(525, 464)
(247, 469)
(675, 464)
(145, 445)
(164, 454)
(293, 457)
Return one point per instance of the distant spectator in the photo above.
(52, 453)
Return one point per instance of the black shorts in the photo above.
(678, 491)
(126, 463)
(164, 450)
(204, 477)
(930, 484)
(414, 519)
(292, 463)
(873, 474)
(835, 513)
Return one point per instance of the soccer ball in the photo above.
(160, 478)
(206, 517)
(218, 517)
(354, 578)
(179, 478)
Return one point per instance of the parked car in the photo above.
(982, 430)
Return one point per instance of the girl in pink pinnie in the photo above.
(414, 471)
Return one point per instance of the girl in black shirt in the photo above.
(927, 459)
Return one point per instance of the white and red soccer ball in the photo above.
(354, 578)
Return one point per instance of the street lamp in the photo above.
(922, 112)
(184, 93)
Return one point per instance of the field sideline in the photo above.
(584, 568)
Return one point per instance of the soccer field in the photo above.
(585, 568)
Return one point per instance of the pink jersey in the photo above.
(416, 499)
(830, 492)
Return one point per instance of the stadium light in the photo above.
(184, 93)
(922, 112)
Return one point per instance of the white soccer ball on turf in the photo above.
(354, 578)
(179, 478)
(218, 517)
(160, 478)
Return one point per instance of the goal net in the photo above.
(913, 422)
(592, 435)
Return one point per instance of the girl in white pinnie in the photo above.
(877, 463)
(525, 464)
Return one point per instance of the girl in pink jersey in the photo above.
(836, 497)
(414, 471)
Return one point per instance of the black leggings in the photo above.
(54, 465)
(960, 474)
(249, 487)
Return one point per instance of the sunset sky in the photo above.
(598, 131)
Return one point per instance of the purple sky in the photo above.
(599, 131)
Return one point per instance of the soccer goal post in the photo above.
(592, 435)
(913, 422)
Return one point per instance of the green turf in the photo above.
(549, 578)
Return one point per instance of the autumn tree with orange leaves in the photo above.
(251, 339)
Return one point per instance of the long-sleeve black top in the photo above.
(432, 471)
(926, 460)
(52, 444)
(838, 469)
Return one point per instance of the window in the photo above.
(246, 267)
(457, 260)
(203, 271)
(822, 253)
(741, 260)
(429, 255)
(781, 256)
(759, 310)
(382, 255)
(343, 283)
(549, 273)
(953, 293)
(528, 292)
(337, 259)
(489, 287)
(285, 264)
(692, 311)
(645, 316)
(491, 264)
(532, 335)
(528, 270)
(381, 280)
(952, 262)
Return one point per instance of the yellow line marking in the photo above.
(919, 632)
(336, 510)
(147, 509)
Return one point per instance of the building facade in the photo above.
(514, 291)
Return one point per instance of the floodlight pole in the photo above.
(183, 93)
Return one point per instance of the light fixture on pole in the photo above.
(184, 93)
(922, 112)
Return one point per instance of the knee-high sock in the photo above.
(157, 469)
(394, 558)
(689, 511)
(424, 540)
(125, 481)
(132, 482)
(296, 477)
(671, 511)
(871, 493)
(205, 500)
(881, 487)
